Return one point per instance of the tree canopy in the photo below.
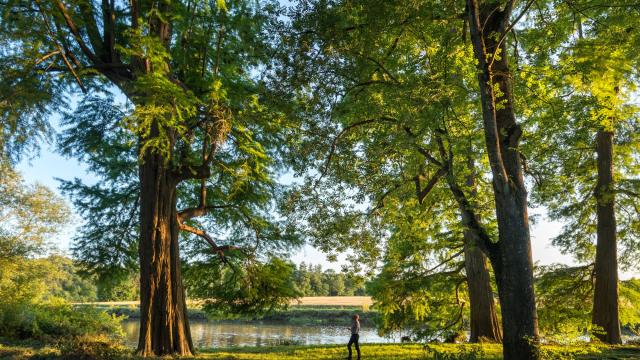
(411, 137)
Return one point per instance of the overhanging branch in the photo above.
(220, 250)
(190, 213)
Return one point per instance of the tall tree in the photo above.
(584, 115)
(490, 23)
(386, 97)
(189, 70)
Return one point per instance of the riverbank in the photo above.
(317, 315)
(370, 352)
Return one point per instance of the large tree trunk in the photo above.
(514, 277)
(484, 320)
(511, 257)
(605, 299)
(164, 327)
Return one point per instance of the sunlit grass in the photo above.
(419, 351)
(369, 352)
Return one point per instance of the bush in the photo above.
(99, 347)
(50, 322)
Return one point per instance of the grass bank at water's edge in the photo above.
(294, 315)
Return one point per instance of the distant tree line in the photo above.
(311, 280)
(65, 280)
(61, 278)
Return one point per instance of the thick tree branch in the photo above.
(108, 29)
(422, 193)
(60, 50)
(186, 172)
(220, 250)
(99, 67)
(492, 134)
(89, 20)
(76, 33)
(191, 213)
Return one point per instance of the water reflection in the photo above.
(207, 334)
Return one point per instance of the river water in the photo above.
(213, 334)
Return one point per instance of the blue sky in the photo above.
(49, 165)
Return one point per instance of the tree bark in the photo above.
(511, 257)
(164, 326)
(605, 299)
(484, 320)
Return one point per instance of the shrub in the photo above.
(99, 347)
(49, 322)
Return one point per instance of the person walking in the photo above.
(355, 335)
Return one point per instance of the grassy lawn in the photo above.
(418, 351)
(369, 352)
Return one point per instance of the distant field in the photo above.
(304, 301)
(334, 300)
(320, 310)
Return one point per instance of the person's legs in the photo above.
(351, 341)
(357, 342)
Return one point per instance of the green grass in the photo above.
(369, 352)
(419, 351)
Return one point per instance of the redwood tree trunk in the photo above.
(605, 299)
(484, 320)
(511, 256)
(164, 326)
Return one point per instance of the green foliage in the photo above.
(577, 81)
(180, 81)
(430, 306)
(242, 288)
(28, 97)
(312, 281)
(106, 244)
(387, 104)
(55, 321)
(92, 347)
(30, 215)
(78, 333)
(201, 90)
(366, 104)
(35, 288)
(629, 310)
(123, 288)
(564, 297)
(49, 278)
(66, 282)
